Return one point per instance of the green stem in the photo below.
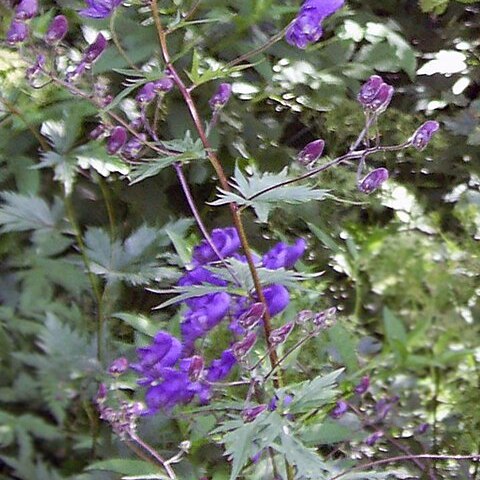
(108, 204)
(91, 276)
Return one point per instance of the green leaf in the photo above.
(126, 466)
(344, 344)
(141, 323)
(327, 433)
(315, 393)
(394, 329)
(259, 185)
(435, 6)
(23, 212)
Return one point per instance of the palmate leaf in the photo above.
(132, 261)
(21, 213)
(264, 203)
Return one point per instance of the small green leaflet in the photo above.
(264, 203)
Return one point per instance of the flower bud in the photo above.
(57, 30)
(373, 438)
(241, 348)
(193, 366)
(251, 413)
(375, 95)
(303, 317)
(221, 96)
(17, 33)
(33, 71)
(424, 133)
(165, 84)
(137, 123)
(373, 180)
(117, 140)
(340, 409)
(26, 9)
(252, 316)
(279, 335)
(101, 395)
(363, 386)
(133, 147)
(94, 50)
(118, 366)
(146, 93)
(76, 73)
(422, 428)
(311, 153)
(97, 132)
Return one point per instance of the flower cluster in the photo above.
(307, 26)
(18, 31)
(172, 370)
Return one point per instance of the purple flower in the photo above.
(240, 349)
(375, 95)
(372, 439)
(164, 85)
(220, 368)
(57, 30)
(221, 96)
(226, 240)
(146, 94)
(340, 409)
(117, 139)
(77, 72)
(424, 133)
(422, 428)
(17, 33)
(283, 255)
(99, 8)
(277, 298)
(373, 180)
(94, 50)
(193, 366)
(363, 386)
(97, 132)
(204, 317)
(306, 28)
(311, 153)
(383, 407)
(118, 366)
(279, 335)
(251, 413)
(164, 352)
(303, 317)
(175, 389)
(26, 9)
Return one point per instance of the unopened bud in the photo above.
(279, 335)
(26, 9)
(134, 146)
(241, 348)
(146, 94)
(311, 153)
(373, 180)
(164, 85)
(252, 316)
(34, 70)
(373, 438)
(303, 317)
(101, 395)
(95, 49)
(117, 140)
(363, 386)
(57, 30)
(118, 366)
(17, 33)
(251, 413)
(375, 95)
(221, 96)
(424, 133)
(340, 409)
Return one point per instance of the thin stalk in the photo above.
(91, 276)
(401, 458)
(336, 161)
(222, 179)
(198, 219)
(117, 43)
(108, 204)
(154, 454)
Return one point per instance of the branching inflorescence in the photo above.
(176, 371)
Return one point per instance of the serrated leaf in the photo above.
(23, 212)
(140, 323)
(315, 393)
(258, 186)
(94, 155)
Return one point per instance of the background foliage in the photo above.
(401, 265)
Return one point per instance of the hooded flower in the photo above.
(219, 369)
(277, 298)
(226, 240)
(26, 9)
(99, 8)
(375, 95)
(283, 255)
(17, 33)
(373, 180)
(424, 133)
(57, 30)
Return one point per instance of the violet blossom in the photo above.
(17, 33)
(26, 9)
(375, 95)
(373, 180)
(57, 30)
(424, 133)
(99, 8)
